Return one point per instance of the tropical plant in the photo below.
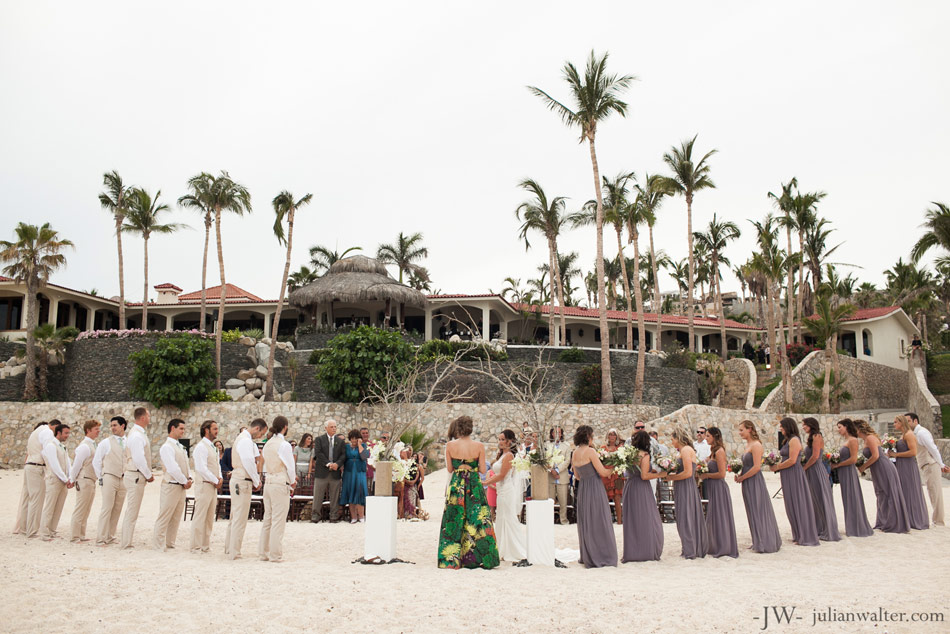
(253, 333)
(587, 390)
(689, 178)
(175, 371)
(572, 355)
(825, 327)
(301, 277)
(142, 218)
(217, 396)
(715, 239)
(231, 336)
(595, 97)
(285, 208)
(403, 253)
(824, 388)
(355, 360)
(785, 203)
(115, 200)
(650, 196)
(418, 439)
(322, 258)
(32, 258)
(51, 341)
(937, 231)
(804, 217)
(199, 200)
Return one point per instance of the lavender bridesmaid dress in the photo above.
(720, 525)
(855, 517)
(642, 528)
(891, 508)
(913, 493)
(595, 531)
(758, 510)
(798, 505)
(822, 501)
(690, 523)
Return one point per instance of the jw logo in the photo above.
(777, 614)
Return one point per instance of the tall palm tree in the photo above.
(322, 258)
(199, 200)
(115, 200)
(285, 208)
(521, 297)
(702, 274)
(715, 239)
(220, 193)
(36, 253)
(143, 218)
(817, 252)
(301, 277)
(595, 97)
(679, 271)
(546, 216)
(51, 341)
(568, 270)
(771, 263)
(825, 327)
(785, 203)
(650, 196)
(636, 216)
(590, 287)
(689, 178)
(403, 253)
(937, 233)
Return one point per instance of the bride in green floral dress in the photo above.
(467, 537)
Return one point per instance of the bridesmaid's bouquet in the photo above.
(861, 459)
(802, 458)
(889, 443)
(832, 457)
(624, 459)
(701, 467)
(771, 458)
(734, 465)
(668, 464)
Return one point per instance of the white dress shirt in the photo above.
(168, 454)
(286, 454)
(50, 449)
(202, 451)
(702, 450)
(247, 453)
(925, 438)
(136, 444)
(85, 449)
(102, 450)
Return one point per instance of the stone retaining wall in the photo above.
(738, 387)
(921, 401)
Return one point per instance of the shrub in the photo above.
(679, 357)
(572, 355)
(354, 360)
(217, 396)
(254, 333)
(231, 336)
(798, 351)
(765, 390)
(175, 371)
(587, 389)
(316, 356)
(470, 351)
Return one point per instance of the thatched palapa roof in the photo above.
(356, 279)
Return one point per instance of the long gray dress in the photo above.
(891, 508)
(798, 506)
(690, 523)
(823, 502)
(913, 493)
(642, 528)
(720, 524)
(595, 531)
(855, 517)
(758, 510)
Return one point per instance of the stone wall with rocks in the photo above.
(738, 385)
(18, 419)
(622, 358)
(921, 401)
(872, 385)
(248, 384)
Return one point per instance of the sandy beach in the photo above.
(59, 586)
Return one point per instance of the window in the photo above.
(10, 310)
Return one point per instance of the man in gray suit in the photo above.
(329, 454)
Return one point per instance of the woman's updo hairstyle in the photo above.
(464, 426)
(583, 435)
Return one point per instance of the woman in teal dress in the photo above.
(467, 536)
(354, 477)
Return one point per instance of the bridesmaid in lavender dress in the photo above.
(720, 524)
(891, 508)
(855, 517)
(816, 473)
(595, 531)
(798, 505)
(690, 523)
(755, 497)
(906, 455)
(642, 528)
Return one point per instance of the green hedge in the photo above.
(175, 371)
(357, 358)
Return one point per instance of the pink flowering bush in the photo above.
(138, 332)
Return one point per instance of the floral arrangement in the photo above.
(701, 467)
(860, 460)
(377, 452)
(832, 457)
(772, 458)
(138, 332)
(802, 458)
(734, 465)
(889, 443)
(668, 464)
(400, 470)
(521, 463)
(625, 458)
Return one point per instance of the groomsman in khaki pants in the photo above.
(281, 480)
(57, 481)
(109, 463)
(34, 481)
(174, 484)
(84, 477)
(244, 480)
(931, 466)
(138, 472)
(208, 481)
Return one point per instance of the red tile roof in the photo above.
(232, 293)
(169, 285)
(5, 279)
(680, 320)
(871, 313)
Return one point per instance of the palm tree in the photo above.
(689, 178)
(301, 277)
(220, 193)
(866, 296)
(650, 198)
(322, 258)
(590, 287)
(715, 239)
(199, 200)
(817, 252)
(285, 208)
(546, 217)
(679, 271)
(36, 253)
(702, 274)
(568, 270)
(785, 202)
(115, 200)
(521, 297)
(937, 234)
(403, 253)
(595, 98)
(804, 217)
(51, 340)
(770, 261)
(825, 328)
(142, 218)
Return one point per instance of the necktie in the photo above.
(122, 441)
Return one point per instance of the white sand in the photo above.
(58, 586)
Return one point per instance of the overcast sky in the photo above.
(415, 117)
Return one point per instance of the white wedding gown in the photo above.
(509, 532)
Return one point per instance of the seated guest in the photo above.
(303, 456)
(224, 456)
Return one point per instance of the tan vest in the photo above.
(212, 464)
(181, 458)
(129, 464)
(276, 469)
(34, 450)
(112, 462)
(86, 470)
(63, 460)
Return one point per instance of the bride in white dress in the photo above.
(509, 532)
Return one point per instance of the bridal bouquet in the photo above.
(771, 458)
(734, 465)
(889, 443)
